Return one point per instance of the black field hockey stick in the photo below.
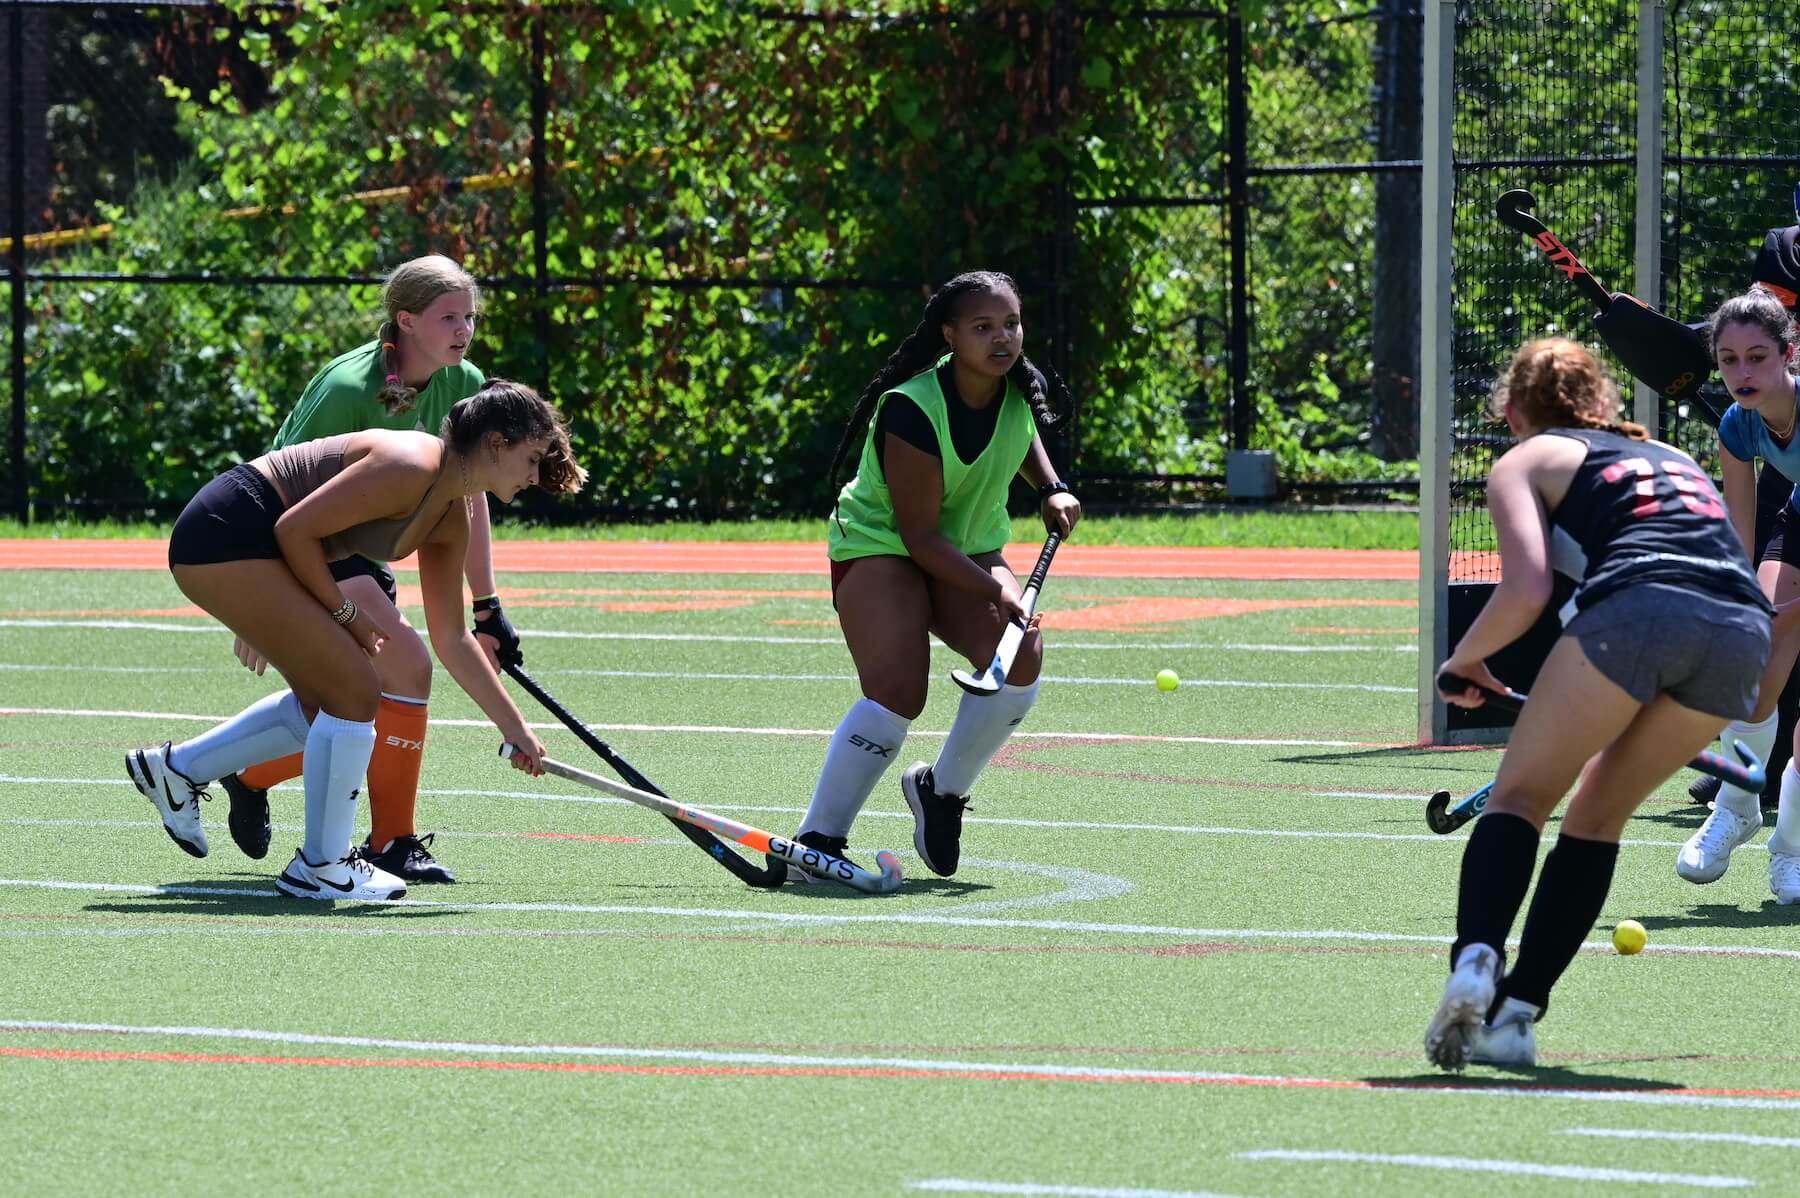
(1750, 774)
(762, 877)
(787, 852)
(1445, 819)
(1662, 353)
(990, 680)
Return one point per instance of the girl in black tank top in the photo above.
(1660, 647)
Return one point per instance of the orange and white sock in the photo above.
(400, 724)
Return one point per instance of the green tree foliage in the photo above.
(745, 210)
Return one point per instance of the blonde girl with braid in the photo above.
(915, 541)
(406, 379)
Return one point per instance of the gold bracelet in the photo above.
(345, 614)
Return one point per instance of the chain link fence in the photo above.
(703, 237)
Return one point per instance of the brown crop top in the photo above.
(299, 470)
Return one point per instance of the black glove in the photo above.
(499, 629)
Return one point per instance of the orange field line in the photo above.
(797, 557)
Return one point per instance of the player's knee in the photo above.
(404, 665)
(905, 699)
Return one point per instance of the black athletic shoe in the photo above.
(406, 858)
(835, 845)
(937, 820)
(249, 818)
(1704, 789)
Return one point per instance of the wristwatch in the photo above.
(1049, 489)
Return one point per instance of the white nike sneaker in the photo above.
(176, 799)
(1510, 1039)
(1707, 852)
(1464, 1007)
(352, 878)
(1784, 877)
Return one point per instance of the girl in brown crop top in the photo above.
(253, 548)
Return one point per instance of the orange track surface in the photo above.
(791, 557)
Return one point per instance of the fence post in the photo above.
(1238, 197)
(15, 69)
(540, 200)
(1064, 450)
(1646, 405)
(1437, 362)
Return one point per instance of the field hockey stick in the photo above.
(762, 877)
(1445, 819)
(811, 860)
(1513, 209)
(990, 680)
(1749, 775)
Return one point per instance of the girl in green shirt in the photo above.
(915, 544)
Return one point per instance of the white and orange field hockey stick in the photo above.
(813, 861)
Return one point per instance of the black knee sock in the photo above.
(1496, 872)
(1570, 892)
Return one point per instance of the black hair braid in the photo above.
(1052, 403)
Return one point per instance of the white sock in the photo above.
(271, 727)
(337, 757)
(1786, 837)
(1760, 738)
(981, 727)
(866, 742)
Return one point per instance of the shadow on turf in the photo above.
(1548, 1076)
(1724, 915)
(204, 897)
(831, 891)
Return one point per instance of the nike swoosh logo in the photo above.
(344, 888)
(173, 804)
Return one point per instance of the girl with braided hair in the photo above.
(915, 541)
(1662, 643)
(1753, 339)
(408, 378)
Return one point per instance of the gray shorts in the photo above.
(1652, 639)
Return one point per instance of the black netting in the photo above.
(1545, 100)
(1730, 168)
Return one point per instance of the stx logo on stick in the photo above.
(1560, 255)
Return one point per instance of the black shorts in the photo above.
(1783, 544)
(231, 519)
(361, 567)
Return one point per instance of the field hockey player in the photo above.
(1662, 644)
(407, 378)
(253, 549)
(915, 541)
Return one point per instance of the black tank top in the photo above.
(1644, 512)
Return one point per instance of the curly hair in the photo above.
(1556, 383)
(518, 414)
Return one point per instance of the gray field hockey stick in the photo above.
(814, 862)
(1443, 819)
(990, 680)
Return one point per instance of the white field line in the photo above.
(1698, 1137)
(1435, 1094)
(208, 626)
(696, 676)
(1097, 927)
(965, 1185)
(1049, 825)
(728, 730)
(1464, 1164)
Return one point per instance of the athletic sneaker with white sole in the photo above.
(1784, 877)
(1707, 853)
(176, 799)
(351, 878)
(1509, 1039)
(937, 820)
(1463, 1009)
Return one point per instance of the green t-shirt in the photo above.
(342, 399)
(973, 516)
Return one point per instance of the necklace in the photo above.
(1786, 433)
